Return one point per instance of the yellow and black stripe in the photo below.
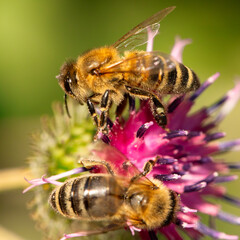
(66, 200)
(168, 76)
(88, 197)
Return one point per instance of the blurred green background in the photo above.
(36, 37)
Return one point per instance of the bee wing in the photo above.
(88, 228)
(122, 167)
(139, 34)
(143, 63)
(139, 38)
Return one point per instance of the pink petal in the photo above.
(152, 32)
(178, 47)
(232, 99)
(194, 200)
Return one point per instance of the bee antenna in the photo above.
(66, 105)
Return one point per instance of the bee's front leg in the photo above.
(104, 108)
(92, 111)
(158, 109)
(101, 121)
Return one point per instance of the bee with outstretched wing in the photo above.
(119, 195)
(104, 76)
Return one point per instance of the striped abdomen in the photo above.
(88, 197)
(174, 77)
(160, 73)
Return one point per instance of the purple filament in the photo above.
(195, 187)
(225, 146)
(204, 86)
(210, 178)
(233, 165)
(175, 104)
(213, 233)
(228, 217)
(165, 160)
(222, 179)
(216, 105)
(201, 184)
(174, 134)
(167, 177)
(214, 136)
(205, 160)
(232, 200)
(193, 134)
(143, 129)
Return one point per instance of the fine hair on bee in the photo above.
(121, 201)
(105, 75)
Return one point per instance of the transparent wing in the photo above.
(143, 63)
(120, 165)
(139, 34)
(123, 168)
(138, 39)
(87, 228)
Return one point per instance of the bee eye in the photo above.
(67, 87)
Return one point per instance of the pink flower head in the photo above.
(186, 153)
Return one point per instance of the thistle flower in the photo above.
(187, 153)
(187, 162)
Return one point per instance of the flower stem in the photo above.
(13, 178)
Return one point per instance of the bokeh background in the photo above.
(36, 37)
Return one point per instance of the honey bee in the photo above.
(104, 76)
(125, 197)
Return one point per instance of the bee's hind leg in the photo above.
(158, 111)
(89, 163)
(157, 107)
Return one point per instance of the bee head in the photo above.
(162, 207)
(67, 79)
(156, 205)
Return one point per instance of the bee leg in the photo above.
(88, 163)
(146, 169)
(92, 111)
(138, 92)
(157, 107)
(158, 112)
(121, 107)
(152, 235)
(105, 103)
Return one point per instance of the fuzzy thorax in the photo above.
(150, 206)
